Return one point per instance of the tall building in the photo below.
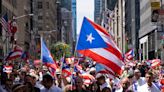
(97, 11)
(111, 4)
(45, 20)
(151, 30)
(118, 25)
(111, 18)
(66, 4)
(1, 41)
(7, 7)
(74, 21)
(20, 10)
(23, 36)
(132, 25)
(66, 22)
(66, 17)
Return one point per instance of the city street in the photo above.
(82, 46)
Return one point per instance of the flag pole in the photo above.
(61, 70)
(72, 65)
(63, 57)
(72, 70)
(41, 42)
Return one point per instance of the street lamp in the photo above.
(15, 18)
(46, 32)
(41, 33)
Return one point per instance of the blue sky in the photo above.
(84, 8)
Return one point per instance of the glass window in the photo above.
(26, 25)
(40, 6)
(40, 17)
(47, 5)
(40, 28)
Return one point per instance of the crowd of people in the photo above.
(138, 78)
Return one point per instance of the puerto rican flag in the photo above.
(129, 55)
(78, 68)
(155, 63)
(103, 70)
(7, 69)
(66, 69)
(15, 53)
(88, 78)
(96, 43)
(47, 59)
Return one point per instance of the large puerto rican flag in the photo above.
(97, 44)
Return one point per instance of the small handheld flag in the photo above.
(46, 57)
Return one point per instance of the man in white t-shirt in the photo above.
(149, 86)
(138, 81)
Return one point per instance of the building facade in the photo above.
(150, 31)
(111, 4)
(66, 22)
(112, 14)
(132, 25)
(97, 11)
(7, 7)
(74, 19)
(23, 36)
(19, 10)
(45, 20)
(118, 25)
(74, 23)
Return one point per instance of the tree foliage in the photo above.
(60, 49)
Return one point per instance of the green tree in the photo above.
(60, 49)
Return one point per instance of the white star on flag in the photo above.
(90, 38)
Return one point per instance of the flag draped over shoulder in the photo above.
(46, 57)
(97, 44)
